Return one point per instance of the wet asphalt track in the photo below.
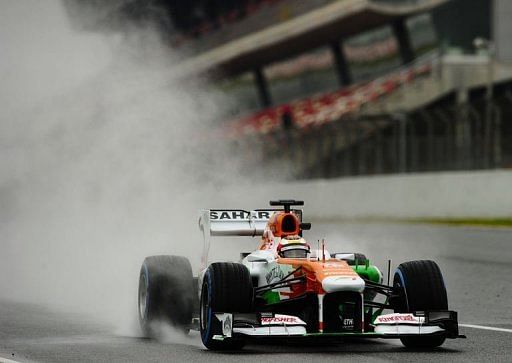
(472, 260)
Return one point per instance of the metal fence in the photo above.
(447, 136)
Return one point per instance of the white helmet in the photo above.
(293, 247)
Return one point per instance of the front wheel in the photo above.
(227, 288)
(420, 287)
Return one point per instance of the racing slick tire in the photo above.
(227, 288)
(420, 286)
(166, 294)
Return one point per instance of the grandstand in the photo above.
(332, 88)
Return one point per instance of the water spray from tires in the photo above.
(99, 164)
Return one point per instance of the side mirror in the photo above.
(305, 226)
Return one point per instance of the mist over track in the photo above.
(101, 162)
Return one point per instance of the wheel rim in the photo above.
(143, 296)
(399, 287)
(205, 307)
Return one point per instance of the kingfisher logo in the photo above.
(281, 320)
(396, 319)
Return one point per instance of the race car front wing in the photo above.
(396, 325)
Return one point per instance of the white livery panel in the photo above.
(276, 325)
(404, 324)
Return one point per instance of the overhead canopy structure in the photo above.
(316, 28)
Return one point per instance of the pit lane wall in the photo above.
(478, 194)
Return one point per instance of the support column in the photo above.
(404, 40)
(401, 119)
(341, 64)
(379, 148)
(262, 86)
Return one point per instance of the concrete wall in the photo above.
(452, 194)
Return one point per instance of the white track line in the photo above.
(5, 360)
(486, 328)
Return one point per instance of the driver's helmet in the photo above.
(293, 247)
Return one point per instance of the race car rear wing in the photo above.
(234, 222)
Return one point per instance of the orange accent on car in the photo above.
(280, 224)
(284, 224)
(317, 271)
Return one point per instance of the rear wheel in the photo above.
(420, 287)
(166, 293)
(227, 288)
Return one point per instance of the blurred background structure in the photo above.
(330, 88)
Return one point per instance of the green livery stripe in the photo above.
(367, 271)
(271, 297)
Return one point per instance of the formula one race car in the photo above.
(286, 289)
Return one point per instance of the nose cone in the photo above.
(343, 283)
